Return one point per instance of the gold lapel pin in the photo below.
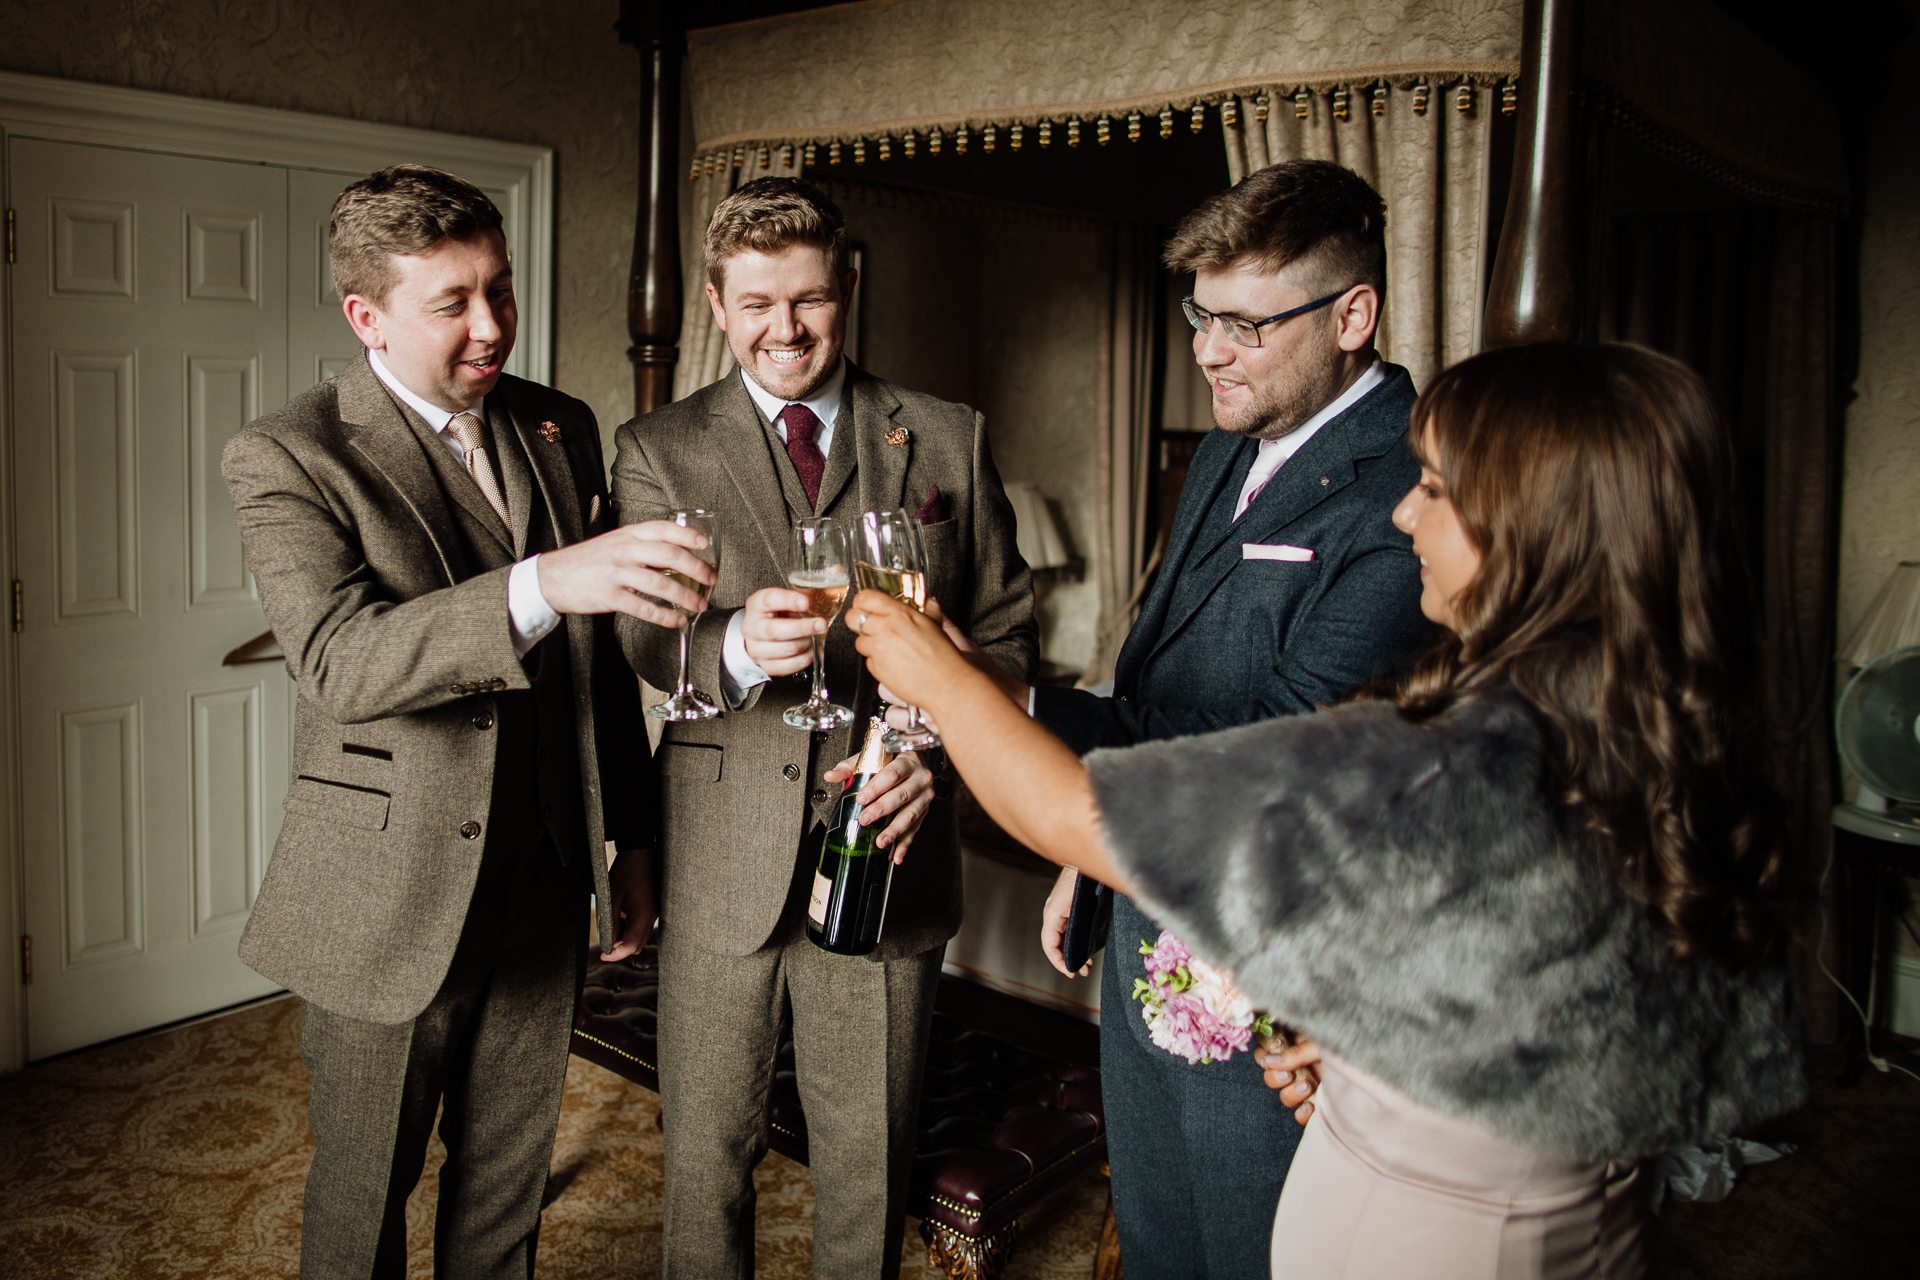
(897, 437)
(550, 433)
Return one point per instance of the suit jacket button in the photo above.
(819, 794)
(791, 773)
(471, 830)
(483, 720)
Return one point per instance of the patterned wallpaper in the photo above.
(553, 74)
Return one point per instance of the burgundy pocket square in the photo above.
(935, 509)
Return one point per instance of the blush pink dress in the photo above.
(1384, 1188)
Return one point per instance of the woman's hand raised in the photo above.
(906, 650)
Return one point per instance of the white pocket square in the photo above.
(1274, 551)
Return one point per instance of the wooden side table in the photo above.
(1867, 847)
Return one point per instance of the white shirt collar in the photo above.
(825, 403)
(432, 414)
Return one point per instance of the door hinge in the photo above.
(19, 611)
(9, 237)
(26, 959)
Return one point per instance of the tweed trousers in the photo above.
(860, 1031)
(508, 997)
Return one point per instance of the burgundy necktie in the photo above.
(806, 455)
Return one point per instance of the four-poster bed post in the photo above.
(655, 29)
(1533, 295)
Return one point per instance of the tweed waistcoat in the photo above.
(536, 772)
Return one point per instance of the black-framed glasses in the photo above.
(1247, 332)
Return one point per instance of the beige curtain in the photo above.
(1427, 156)
(1121, 459)
(704, 356)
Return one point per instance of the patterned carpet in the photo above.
(183, 1155)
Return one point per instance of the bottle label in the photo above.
(822, 894)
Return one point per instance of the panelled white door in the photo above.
(150, 322)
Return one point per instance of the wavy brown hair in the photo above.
(1597, 484)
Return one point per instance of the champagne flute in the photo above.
(687, 702)
(889, 556)
(818, 566)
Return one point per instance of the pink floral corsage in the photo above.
(1193, 1010)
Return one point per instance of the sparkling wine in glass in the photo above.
(818, 565)
(687, 702)
(890, 556)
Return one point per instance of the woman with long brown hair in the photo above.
(1529, 897)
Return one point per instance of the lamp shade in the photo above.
(1893, 619)
(1035, 531)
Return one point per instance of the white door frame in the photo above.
(70, 111)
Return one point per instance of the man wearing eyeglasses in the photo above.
(1285, 586)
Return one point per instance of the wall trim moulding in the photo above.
(107, 115)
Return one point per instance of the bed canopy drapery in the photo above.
(1404, 91)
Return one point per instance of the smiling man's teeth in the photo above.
(786, 357)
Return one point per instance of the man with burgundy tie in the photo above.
(798, 431)
(468, 742)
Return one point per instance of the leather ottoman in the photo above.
(1000, 1128)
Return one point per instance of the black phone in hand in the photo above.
(1087, 921)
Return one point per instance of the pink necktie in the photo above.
(472, 435)
(806, 455)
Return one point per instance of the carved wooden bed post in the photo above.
(655, 29)
(1534, 293)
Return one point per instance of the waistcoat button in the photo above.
(484, 720)
(819, 794)
(471, 830)
(791, 773)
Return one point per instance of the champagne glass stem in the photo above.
(686, 647)
(819, 671)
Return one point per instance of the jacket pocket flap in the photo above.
(338, 802)
(693, 761)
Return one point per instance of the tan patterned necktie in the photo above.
(472, 435)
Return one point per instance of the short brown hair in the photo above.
(770, 214)
(1307, 211)
(406, 209)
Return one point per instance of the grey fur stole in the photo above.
(1399, 893)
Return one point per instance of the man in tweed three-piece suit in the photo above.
(468, 740)
(797, 431)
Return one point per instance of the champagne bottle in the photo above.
(850, 885)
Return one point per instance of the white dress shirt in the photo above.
(740, 673)
(529, 616)
(1274, 453)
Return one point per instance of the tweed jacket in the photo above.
(739, 792)
(1405, 894)
(399, 647)
(1224, 640)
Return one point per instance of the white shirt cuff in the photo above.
(743, 671)
(529, 616)
(1030, 699)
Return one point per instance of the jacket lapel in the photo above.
(741, 445)
(383, 436)
(841, 461)
(515, 459)
(1213, 463)
(882, 467)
